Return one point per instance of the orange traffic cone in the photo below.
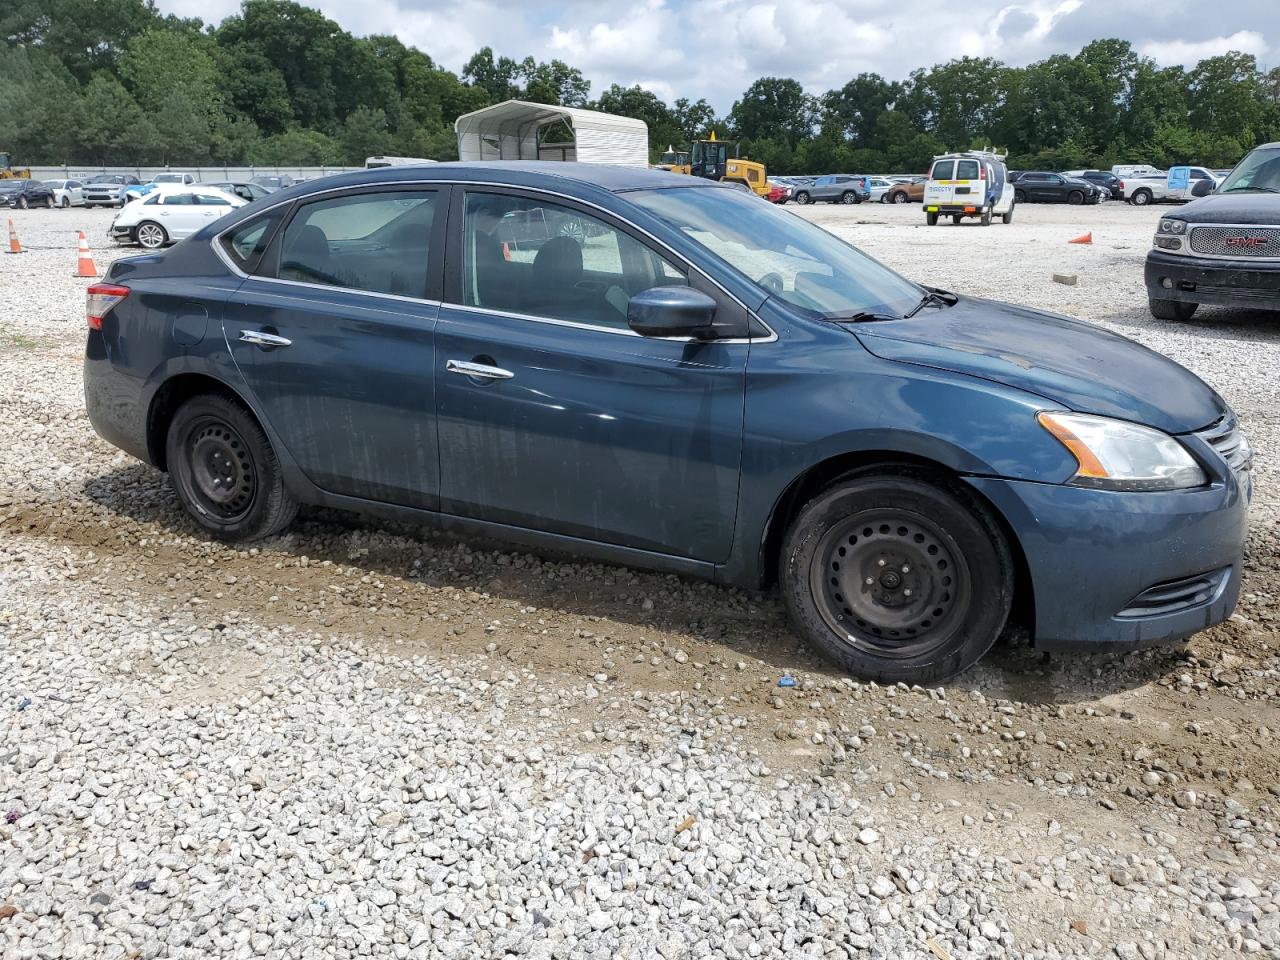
(85, 267)
(1083, 238)
(14, 245)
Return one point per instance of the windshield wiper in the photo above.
(942, 298)
(862, 316)
(1242, 189)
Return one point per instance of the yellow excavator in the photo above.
(9, 172)
(710, 159)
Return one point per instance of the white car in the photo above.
(170, 214)
(879, 187)
(67, 193)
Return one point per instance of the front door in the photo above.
(333, 336)
(553, 414)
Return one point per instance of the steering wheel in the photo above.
(771, 282)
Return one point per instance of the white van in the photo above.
(970, 184)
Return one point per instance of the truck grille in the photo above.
(1229, 442)
(1174, 596)
(1237, 242)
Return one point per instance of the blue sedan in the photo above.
(650, 369)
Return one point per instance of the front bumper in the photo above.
(1094, 557)
(1228, 283)
(121, 234)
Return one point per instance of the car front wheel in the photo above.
(150, 235)
(897, 576)
(66, 202)
(1172, 309)
(900, 197)
(1141, 198)
(224, 471)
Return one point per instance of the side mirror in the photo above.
(672, 312)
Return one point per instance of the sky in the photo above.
(716, 48)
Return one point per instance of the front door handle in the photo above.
(260, 339)
(480, 370)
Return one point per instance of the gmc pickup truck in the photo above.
(1224, 248)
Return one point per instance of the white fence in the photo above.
(208, 174)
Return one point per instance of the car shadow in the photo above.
(1209, 322)
(742, 623)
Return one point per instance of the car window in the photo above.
(527, 256)
(367, 241)
(943, 169)
(152, 200)
(178, 200)
(73, 184)
(209, 200)
(966, 170)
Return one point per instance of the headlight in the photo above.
(1169, 225)
(1118, 455)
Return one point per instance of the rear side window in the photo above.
(966, 170)
(178, 200)
(209, 200)
(942, 170)
(246, 242)
(376, 242)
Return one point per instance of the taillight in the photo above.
(102, 297)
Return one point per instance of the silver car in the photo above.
(107, 189)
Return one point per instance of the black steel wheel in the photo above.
(224, 471)
(898, 576)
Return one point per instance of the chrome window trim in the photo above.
(597, 328)
(218, 249)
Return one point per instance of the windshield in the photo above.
(8, 186)
(786, 255)
(107, 178)
(1260, 170)
(167, 178)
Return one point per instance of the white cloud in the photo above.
(715, 48)
(1188, 52)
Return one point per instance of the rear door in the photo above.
(179, 215)
(333, 332)
(939, 190)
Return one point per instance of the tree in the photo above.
(114, 128)
(777, 109)
(496, 76)
(853, 111)
(555, 82)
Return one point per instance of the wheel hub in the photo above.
(221, 470)
(889, 580)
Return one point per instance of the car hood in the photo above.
(1080, 366)
(1260, 208)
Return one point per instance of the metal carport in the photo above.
(513, 131)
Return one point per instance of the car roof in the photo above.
(547, 174)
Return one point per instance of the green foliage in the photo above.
(114, 81)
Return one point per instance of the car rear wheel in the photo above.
(1178, 310)
(48, 202)
(1007, 217)
(224, 471)
(802, 198)
(986, 217)
(931, 219)
(899, 197)
(150, 235)
(1019, 197)
(22, 203)
(897, 576)
(956, 218)
(1141, 198)
(849, 197)
(1075, 198)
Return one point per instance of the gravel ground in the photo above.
(359, 739)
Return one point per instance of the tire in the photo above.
(150, 235)
(48, 202)
(1140, 198)
(1019, 197)
(1177, 310)
(224, 471)
(986, 217)
(955, 219)
(1007, 217)
(803, 198)
(931, 219)
(66, 202)
(1075, 198)
(22, 203)
(899, 197)
(849, 197)
(908, 532)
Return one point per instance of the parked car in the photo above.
(833, 188)
(910, 192)
(1221, 249)
(21, 194)
(170, 214)
(107, 189)
(273, 183)
(974, 183)
(700, 383)
(246, 190)
(1039, 186)
(66, 193)
(1109, 182)
(158, 181)
(878, 189)
(778, 193)
(1178, 185)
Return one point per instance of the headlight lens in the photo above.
(1169, 225)
(1118, 455)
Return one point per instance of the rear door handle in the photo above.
(258, 338)
(480, 370)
